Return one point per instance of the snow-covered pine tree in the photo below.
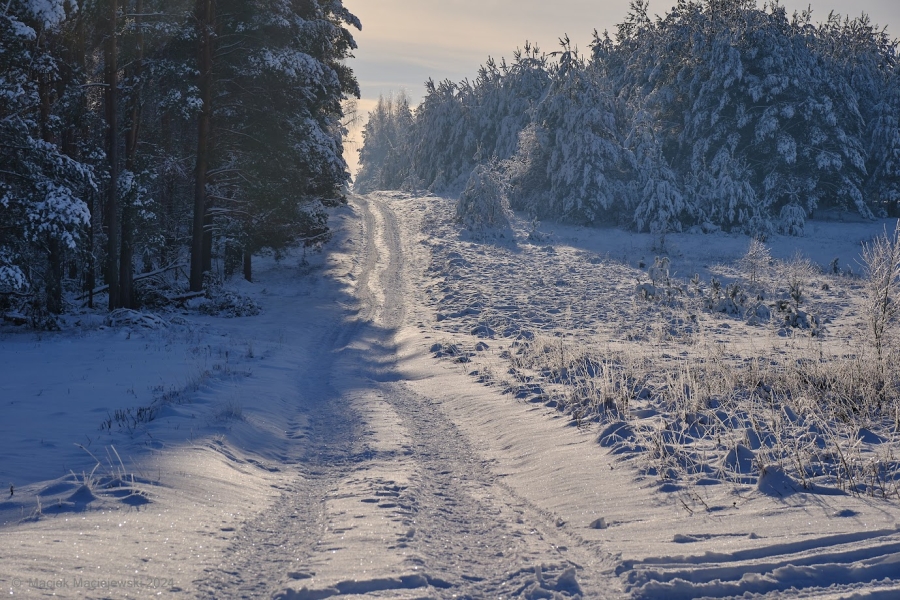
(443, 146)
(866, 57)
(656, 195)
(271, 112)
(42, 189)
(385, 158)
(505, 98)
(720, 114)
(744, 97)
(164, 178)
(276, 121)
(883, 137)
(460, 125)
(580, 177)
(527, 172)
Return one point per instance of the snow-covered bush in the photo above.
(882, 258)
(760, 228)
(796, 275)
(220, 301)
(792, 220)
(483, 207)
(527, 171)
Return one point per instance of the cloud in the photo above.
(452, 38)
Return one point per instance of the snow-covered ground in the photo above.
(398, 422)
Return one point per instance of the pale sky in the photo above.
(404, 42)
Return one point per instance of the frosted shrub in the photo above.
(797, 274)
(483, 205)
(659, 272)
(222, 302)
(527, 170)
(756, 261)
(882, 258)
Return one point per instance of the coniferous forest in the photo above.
(140, 138)
(719, 115)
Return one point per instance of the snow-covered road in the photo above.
(390, 495)
(320, 450)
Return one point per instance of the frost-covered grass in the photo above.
(713, 416)
(699, 360)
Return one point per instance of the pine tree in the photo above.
(385, 157)
(866, 57)
(720, 114)
(103, 118)
(44, 214)
(656, 194)
(570, 166)
(278, 127)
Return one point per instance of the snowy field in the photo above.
(420, 414)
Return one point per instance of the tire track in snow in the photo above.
(834, 566)
(329, 465)
(276, 545)
(383, 495)
(465, 525)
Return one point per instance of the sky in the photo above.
(404, 42)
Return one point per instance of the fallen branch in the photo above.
(105, 288)
(15, 318)
(186, 296)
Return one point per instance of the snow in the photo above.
(21, 30)
(11, 276)
(324, 447)
(60, 213)
(49, 12)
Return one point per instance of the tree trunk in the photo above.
(234, 255)
(80, 131)
(126, 262)
(205, 18)
(207, 239)
(170, 247)
(112, 215)
(53, 277)
(248, 266)
(53, 283)
(74, 53)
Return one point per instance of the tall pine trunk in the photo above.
(112, 118)
(205, 18)
(126, 262)
(248, 265)
(207, 237)
(53, 277)
(79, 45)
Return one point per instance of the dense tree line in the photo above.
(140, 136)
(719, 114)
